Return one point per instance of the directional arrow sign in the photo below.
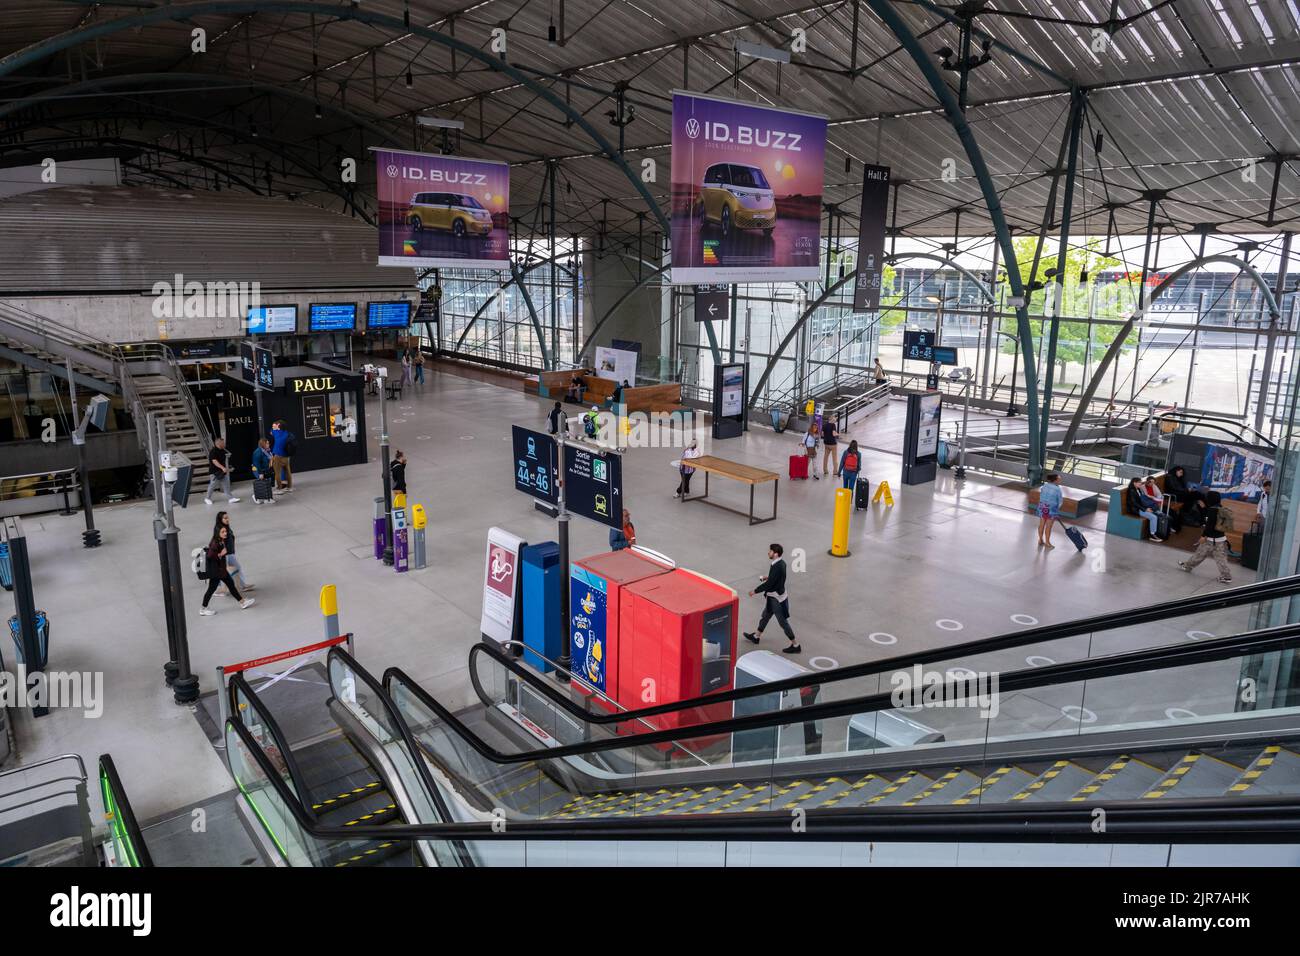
(712, 302)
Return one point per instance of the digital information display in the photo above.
(927, 441)
(918, 345)
(388, 315)
(332, 317)
(272, 320)
(535, 464)
(944, 355)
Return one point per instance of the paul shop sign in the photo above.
(311, 384)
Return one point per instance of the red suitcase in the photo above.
(799, 467)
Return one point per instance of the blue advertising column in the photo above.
(587, 598)
(541, 605)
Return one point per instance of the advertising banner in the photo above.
(747, 185)
(442, 211)
(500, 584)
(733, 389)
(587, 598)
(927, 436)
(871, 238)
(616, 365)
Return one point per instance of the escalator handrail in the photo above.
(272, 725)
(1282, 637)
(122, 805)
(408, 741)
(1213, 819)
(1111, 620)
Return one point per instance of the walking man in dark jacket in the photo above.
(777, 602)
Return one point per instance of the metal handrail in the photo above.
(1213, 421)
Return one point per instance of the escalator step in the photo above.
(375, 853)
(382, 815)
(1060, 781)
(1126, 778)
(1196, 775)
(997, 787)
(904, 788)
(947, 789)
(348, 796)
(856, 793)
(1275, 772)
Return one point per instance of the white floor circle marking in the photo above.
(1038, 660)
(466, 437)
(960, 673)
(423, 437)
(948, 624)
(1027, 620)
(823, 663)
(880, 637)
(1082, 714)
(1197, 635)
(1180, 713)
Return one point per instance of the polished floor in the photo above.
(950, 562)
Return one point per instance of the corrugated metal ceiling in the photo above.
(1181, 92)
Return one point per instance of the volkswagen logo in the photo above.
(692, 127)
(392, 170)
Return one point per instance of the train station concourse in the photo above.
(597, 434)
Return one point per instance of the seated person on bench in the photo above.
(576, 388)
(1137, 502)
(1192, 501)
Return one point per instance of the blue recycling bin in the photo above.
(42, 638)
(541, 605)
(6, 567)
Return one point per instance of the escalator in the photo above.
(1121, 718)
(344, 778)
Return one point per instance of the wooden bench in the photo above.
(1119, 521)
(745, 474)
(1075, 502)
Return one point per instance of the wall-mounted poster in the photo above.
(747, 185)
(442, 211)
(1235, 472)
(927, 442)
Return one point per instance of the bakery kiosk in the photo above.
(321, 404)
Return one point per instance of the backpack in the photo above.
(199, 563)
(1224, 522)
(850, 462)
(291, 446)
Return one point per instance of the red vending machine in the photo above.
(595, 590)
(679, 631)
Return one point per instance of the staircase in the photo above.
(145, 375)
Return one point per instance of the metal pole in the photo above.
(960, 471)
(388, 477)
(89, 537)
(185, 688)
(1271, 348)
(566, 623)
(1078, 100)
(25, 606)
(989, 337)
(151, 433)
(1196, 334)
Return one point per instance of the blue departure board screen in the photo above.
(272, 320)
(332, 317)
(388, 315)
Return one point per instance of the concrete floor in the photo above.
(947, 564)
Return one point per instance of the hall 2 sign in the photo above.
(315, 383)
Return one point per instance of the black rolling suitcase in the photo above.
(1075, 535)
(861, 494)
(262, 489)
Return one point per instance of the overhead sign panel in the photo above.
(593, 484)
(442, 211)
(535, 461)
(747, 184)
(871, 238)
(712, 302)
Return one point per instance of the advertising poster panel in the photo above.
(927, 436)
(500, 585)
(587, 598)
(442, 211)
(747, 185)
(733, 389)
(616, 364)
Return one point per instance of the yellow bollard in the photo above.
(840, 531)
(329, 608)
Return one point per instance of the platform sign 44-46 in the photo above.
(535, 464)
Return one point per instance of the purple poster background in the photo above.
(747, 185)
(442, 211)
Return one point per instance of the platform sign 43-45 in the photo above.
(535, 464)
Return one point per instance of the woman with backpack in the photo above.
(1214, 541)
(233, 566)
(217, 574)
(850, 465)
